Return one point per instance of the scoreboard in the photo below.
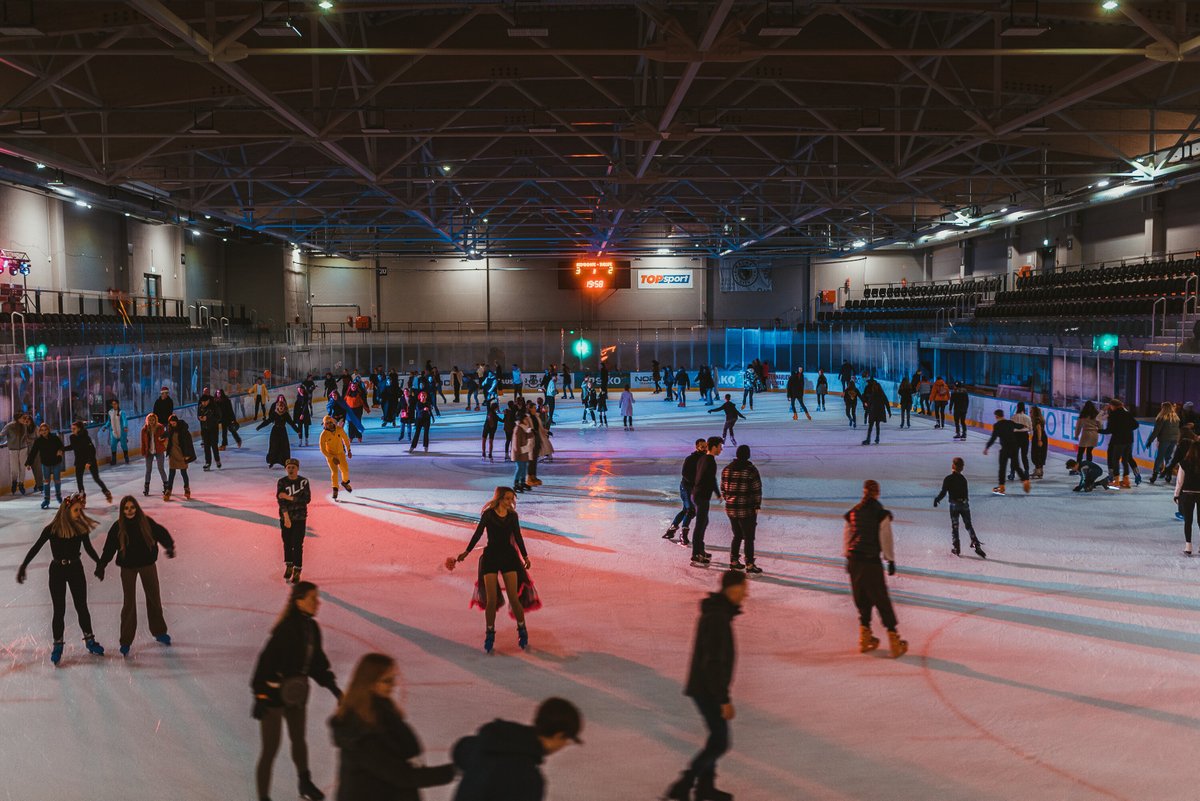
(594, 274)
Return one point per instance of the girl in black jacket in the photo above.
(85, 458)
(134, 539)
(279, 448)
(291, 657)
(48, 448)
(302, 414)
(378, 748)
(67, 533)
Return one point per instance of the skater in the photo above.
(1024, 428)
(795, 393)
(48, 449)
(522, 449)
(181, 452)
(379, 753)
(686, 482)
(1090, 475)
(924, 389)
(134, 539)
(542, 447)
(602, 404)
(292, 656)
(210, 429)
(302, 415)
(229, 422)
(904, 394)
(960, 402)
(703, 489)
(293, 495)
(504, 555)
(491, 422)
(706, 385)
(682, 383)
(656, 376)
(1187, 493)
(517, 382)
(1039, 445)
(588, 394)
(955, 486)
(279, 447)
(471, 386)
(868, 533)
(422, 420)
(259, 393)
(626, 405)
(939, 395)
(822, 387)
(568, 382)
(731, 417)
(878, 409)
(69, 531)
(850, 399)
(335, 447)
(118, 430)
(709, 677)
(85, 458)
(550, 390)
(1087, 432)
(404, 410)
(456, 383)
(509, 423)
(1166, 431)
(154, 449)
(1006, 432)
(19, 431)
(500, 762)
(354, 399)
(164, 407)
(669, 383)
(749, 385)
(1121, 427)
(741, 487)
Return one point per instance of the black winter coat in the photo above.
(295, 640)
(713, 653)
(138, 553)
(48, 449)
(377, 760)
(83, 448)
(500, 763)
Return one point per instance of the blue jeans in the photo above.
(705, 763)
(800, 401)
(688, 512)
(55, 473)
(1166, 450)
(522, 472)
(748, 393)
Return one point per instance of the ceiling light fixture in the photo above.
(39, 166)
(327, 5)
(1103, 182)
(1110, 5)
(278, 28)
(858, 243)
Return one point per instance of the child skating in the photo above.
(955, 486)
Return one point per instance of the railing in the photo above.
(1190, 287)
(12, 320)
(82, 301)
(1157, 318)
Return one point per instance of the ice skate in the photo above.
(534, 482)
(166, 495)
(347, 487)
(753, 568)
(489, 640)
(866, 640)
(896, 646)
(146, 490)
(808, 416)
(187, 493)
(56, 653)
(108, 496)
(523, 638)
(309, 791)
(1125, 482)
(683, 539)
(705, 791)
(93, 646)
(164, 639)
(46, 504)
(335, 493)
(124, 649)
(1187, 549)
(998, 490)
(287, 571)
(736, 564)
(1025, 485)
(955, 549)
(670, 535)
(699, 561)
(681, 790)
(978, 548)
(795, 416)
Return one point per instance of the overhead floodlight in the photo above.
(202, 124)
(57, 180)
(1025, 30)
(944, 233)
(1103, 182)
(39, 166)
(447, 168)
(326, 5)
(1110, 5)
(779, 30)
(858, 243)
(279, 28)
(528, 33)
(31, 128)
(663, 252)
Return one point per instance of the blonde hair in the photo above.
(501, 491)
(67, 527)
(1167, 413)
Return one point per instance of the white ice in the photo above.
(1060, 668)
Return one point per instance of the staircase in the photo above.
(1175, 337)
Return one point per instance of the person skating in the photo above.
(960, 402)
(1006, 431)
(669, 383)
(134, 539)
(293, 494)
(924, 388)
(1090, 475)
(522, 449)
(709, 678)
(117, 425)
(686, 482)
(955, 486)
(682, 383)
(1187, 493)
(501, 762)
(625, 403)
(505, 557)
(509, 423)
(423, 419)
(550, 391)
(939, 396)
(1121, 427)
(259, 393)
(543, 448)
(1166, 432)
(16, 432)
(181, 452)
(877, 410)
(822, 388)
(1087, 431)
(731, 417)
(795, 393)
(456, 383)
(85, 458)
(48, 449)
(850, 399)
(335, 447)
(279, 447)
(868, 534)
(379, 755)
(302, 413)
(209, 417)
(1039, 444)
(1024, 428)
(69, 532)
(164, 407)
(291, 657)
(588, 394)
(741, 487)
(703, 489)
(491, 422)
(749, 386)
(706, 385)
(229, 421)
(602, 404)
(154, 451)
(904, 397)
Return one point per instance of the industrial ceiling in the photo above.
(554, 127)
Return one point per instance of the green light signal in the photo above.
(582, 348)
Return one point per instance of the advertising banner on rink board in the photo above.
(665, 279)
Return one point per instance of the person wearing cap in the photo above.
(868, 535)
(294, 494)
(164, 407)
(708, 683)
(501, 762)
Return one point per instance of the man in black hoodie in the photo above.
(708, 683)
(686, 482)
(960, 401)
(1006, 432)
(500, 762)
(1121, 427)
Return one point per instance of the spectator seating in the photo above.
(918, 302)
(66, 330)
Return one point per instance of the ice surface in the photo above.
(1061, 668)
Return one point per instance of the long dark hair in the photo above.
(360, 697)
(126, 528)
(299, 590)
(1089, 410)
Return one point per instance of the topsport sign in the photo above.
(664, 279)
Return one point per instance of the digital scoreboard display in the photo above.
(594, 274)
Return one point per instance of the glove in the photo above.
(21, 576)
(935, 503)
(891, 568)
(260, 709)
(171, 553)
(100, 573)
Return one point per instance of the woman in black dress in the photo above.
(67, 534)
(491, 422)
(302, 414)
(505, 555)
(279, 449)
